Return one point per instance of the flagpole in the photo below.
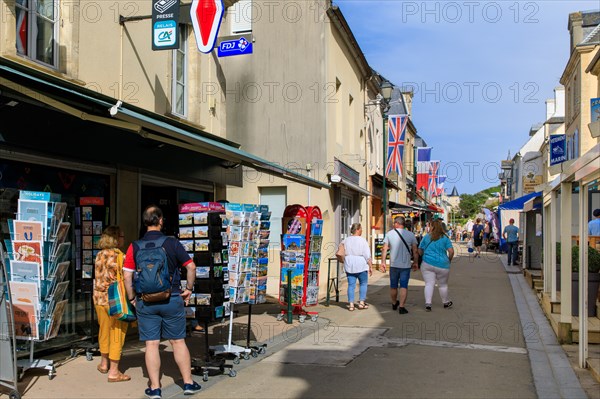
(383, 117)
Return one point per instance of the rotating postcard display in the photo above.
(301, 253)
(38, 256)
(248, 229)
(201, 234)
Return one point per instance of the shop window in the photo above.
(276, 199)
(179, 84)
(37, 30)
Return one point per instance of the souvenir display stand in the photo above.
(38, 261)
(91, 218)
(247, 230)
(8, 344)
(200, 233)
(301, 253)
(224, 241)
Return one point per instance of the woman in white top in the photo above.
(357, 261)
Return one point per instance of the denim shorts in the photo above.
(164, 320)
(399, 275)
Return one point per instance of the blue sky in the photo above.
(481, 71)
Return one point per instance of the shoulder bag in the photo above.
(409, 250)
(119, 306)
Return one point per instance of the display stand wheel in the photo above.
(262, 350)
(205, 375)
(89, 356)
(254, 353)
(14, 395)
(51, 373)
(236, 360)
(232, 373)
(246, 356)
(314, 318)
(302, 318)
(280, 317)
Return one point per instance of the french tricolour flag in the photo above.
(423, 159)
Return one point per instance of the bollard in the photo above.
(289, 295)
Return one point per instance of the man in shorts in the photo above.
(164, 319)
(403, 245)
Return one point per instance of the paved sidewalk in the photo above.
(491, 344)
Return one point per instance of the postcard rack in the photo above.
(38, 262)
(301, 242)
(8, 343)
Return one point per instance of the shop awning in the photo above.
(339, 180)
(533, 203)
(435, 208)
(377, 178)
(156, 130)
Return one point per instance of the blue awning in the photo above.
(518, 203)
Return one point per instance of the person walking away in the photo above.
(437, 252)
(487, 229)
(165, 318)
(511, 235)
(357, 262)
(112, 331)
(469, 227)
(477, 237)
(594, 224)
(402, 245)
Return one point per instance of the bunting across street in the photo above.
(395, 149)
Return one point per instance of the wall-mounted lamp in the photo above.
(114, 110)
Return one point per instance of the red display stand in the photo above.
(301, 253)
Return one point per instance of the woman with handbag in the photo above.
(112, 331)
(354, 252)
(437, 253)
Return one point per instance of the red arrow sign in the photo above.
(206, 18)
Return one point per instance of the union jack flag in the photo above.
(433, 177)
(395, 148)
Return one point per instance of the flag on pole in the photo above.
(440, 185)
(423, 159)
(433, 176)
(395, 148)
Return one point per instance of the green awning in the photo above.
(94, 107)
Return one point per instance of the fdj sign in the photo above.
(165, 14)
(558, 148)
(234, 47)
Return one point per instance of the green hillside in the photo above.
(471, 204)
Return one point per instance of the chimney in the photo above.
(559, 98)
(575, 28)
(550, 108)
(408, 100)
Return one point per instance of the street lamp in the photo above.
(386, 89)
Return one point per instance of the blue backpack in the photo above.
(153, 280)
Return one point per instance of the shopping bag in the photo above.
(118, 305)
(470, 246)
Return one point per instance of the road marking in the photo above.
(458, 345)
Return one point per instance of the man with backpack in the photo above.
(152, 281)
(403, 246)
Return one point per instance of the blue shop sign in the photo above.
(234, 47)
(558, 148)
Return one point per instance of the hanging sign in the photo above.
(206, 18)
(558, 149)
(165, 14)
(234, 47)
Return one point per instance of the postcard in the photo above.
(27, 230)
(237, 218)
(312, 295)
(225, 238)
(265, 225)
(188, 245)
(25, 272)
(59, 291)
(87, 257)
(186, 232)
(216, 258)
(57, 316)
(186, 219)
(227, 308)
(60, 208)
(27, 251)
(96, 242)
(225, 256)
(86, 213)
(235, 233)
(61, 233)
(234, 249)
(293, 242)
(315, 244)
(293, 225)
(219, 312)
(203, 272)
(24, 292)
(87, 242)
(25, 320)
(203, 299)
(63, 251)
(265, 216)
(86, 271)
(34, 210)
(316, 227)
(200, 218)
(201, 245)
(97, 227)
(200, 232)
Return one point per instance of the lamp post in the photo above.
(386, 91)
